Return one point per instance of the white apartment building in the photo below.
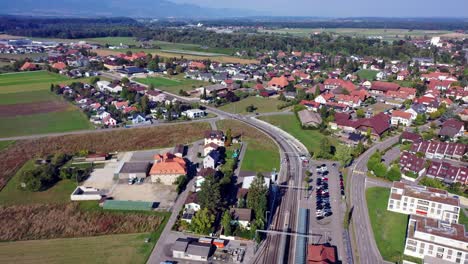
(423, 201)
(436, 241)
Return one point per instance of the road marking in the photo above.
(359, 172)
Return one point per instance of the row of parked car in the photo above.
(323, 208)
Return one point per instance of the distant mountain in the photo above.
(113, 8)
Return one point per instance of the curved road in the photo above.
(367, 250)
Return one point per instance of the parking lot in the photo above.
(163, 195)
(326, 205)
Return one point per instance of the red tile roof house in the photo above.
(401, 118)
(349, 100)
(402, 94)
(59, 66)
(402, 75)
(437, 76)
(278, 83)
(410, 137)
(331, 84)
(411, 163)
(452, 129)
(439, 85)
(377, 124)
(311, 105)
(440, 150)
(321, 254)
(324, 98)
(27, 66)
(383, 87)
(447, 172)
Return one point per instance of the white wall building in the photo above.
(436, 241)
(423, 201)
(194, 113)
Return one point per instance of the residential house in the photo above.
(383, 87)
(401, 117)
(212, 159)
(410, 137)
(167, 168)
(215, 136)
(324, 98)
(278, 83)
(321, 254)
(412, 164)
(349, 100)
(402, 75)
(440, 150)
(209, 147)
(138, 119)
(28, 66)
(191, 207)
(200, 177)
(241, 217)
(194, 113)
(452, 129)
(423, 201)
(311, 105)
(309, 118)
(447, 172)
(247, 177)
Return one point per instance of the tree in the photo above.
(257, 197)
(228, 137)
(226, 223)
(325, 149)
(394, 174)
(125, 81)
(344, 154)
(179, 69)
(144, 104)
(170, 71)
(251, 108)
(210, 194)
(94, 80)
(202, 222)
(360, 113)
(153, 66)
(420, 119)
(359, 149)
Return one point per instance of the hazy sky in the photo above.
(346, 8)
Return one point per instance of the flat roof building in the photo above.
(423, 201)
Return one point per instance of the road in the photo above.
(367, 250)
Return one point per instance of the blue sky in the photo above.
(346, 8)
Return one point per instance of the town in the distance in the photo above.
(223, 140)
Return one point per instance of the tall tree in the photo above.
(257, 197)
(202, 222)
(210, 194)
(226, 223)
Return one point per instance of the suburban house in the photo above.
(436, 241)
(201, 175)
(383, 87)
(439, 150)
(452, 129)
(215, 136)
(167, 168)
(423, 201)
(278, 83)
(349, 100)
(311, 105)
(309, 118)
(209, 147)
(212, 160)
(113, 87)
(241, 217)
(194, 113)
(191, 249)
(377, 124)
(447, 172)
(138, 119)
(410, 137)
(247, 177)
(28, 66)
(191, 206)
(410, 163)
(324, 98)
(401, 118)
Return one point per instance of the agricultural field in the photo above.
(19, 153)
(5, 144)
(172, 85)
(389, 227)
(263, 105)
(126, 248)
(289, 123)
(367, 74)
(262, 154)
(386, 34)
(28, 106)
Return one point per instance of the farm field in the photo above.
(389, 227)
(289, 123)
(172, 85)
(178, 54)
(28, 107)
(263, 105)
(5, 144)
(12, 195)
(386, 34)
(120, 140)
(262, 154)
(367, 74)
(126, 248)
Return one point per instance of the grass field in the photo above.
(5, 144)
(263, 105)
(289, 123)
(126, 248)
(172, 85)
(262, 154)
(463, 218)
(29, 87)
(59, 193)
(367, 74)
(386, 34)
(389, 227)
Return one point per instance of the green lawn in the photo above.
(44, 123)
(126, 248)
(289, 123)
(367, 74)
(26, 97)
(11, 194)
(463, 218)
(389, 227)
(172, 85)
(263, 105)
(262, 153)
